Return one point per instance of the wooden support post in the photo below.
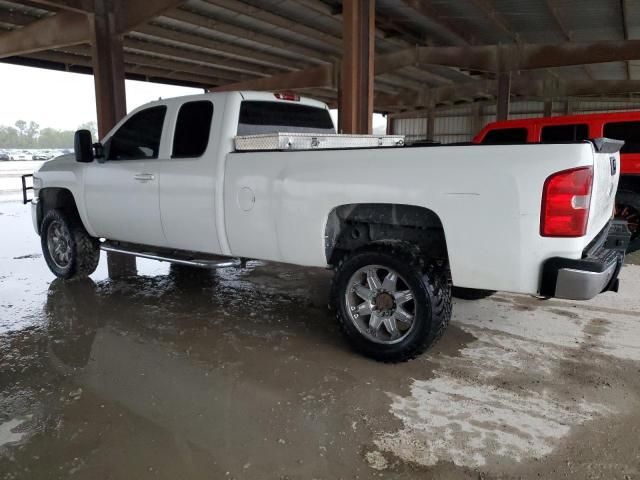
(568, 107)
(390, 124)
(431, 124)
(476, 119)
(504, 94)
(111, 104)
(356, 97)
(548, 107)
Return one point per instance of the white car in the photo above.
(204, 180)
(20, 156)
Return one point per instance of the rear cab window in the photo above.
(505, 136)
(564, 133)
(261, 117)
(627, 131)
(193, 127)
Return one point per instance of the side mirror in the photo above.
(82, 146)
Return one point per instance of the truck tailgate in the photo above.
(606, 173)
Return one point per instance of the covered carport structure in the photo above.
(405, 58)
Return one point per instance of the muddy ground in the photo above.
(243, 374)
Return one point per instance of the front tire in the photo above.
(389, 306)
(70, 252)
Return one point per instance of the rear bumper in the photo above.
(596, 272)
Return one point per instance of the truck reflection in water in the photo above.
(186, 354)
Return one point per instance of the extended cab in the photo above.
(207, 179)
(576, 128)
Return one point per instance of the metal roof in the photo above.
(209, 43)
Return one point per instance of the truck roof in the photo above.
(244, 95)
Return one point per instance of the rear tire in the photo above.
(628, 208)
(395, 329)
(471, 293)
(70, 252)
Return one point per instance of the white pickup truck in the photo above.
(206, 180)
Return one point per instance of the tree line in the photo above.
(25, 134)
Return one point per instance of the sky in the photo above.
(66, 100)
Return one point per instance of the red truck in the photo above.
(574, 128)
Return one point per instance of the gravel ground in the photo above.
(243, 374)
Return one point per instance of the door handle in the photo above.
(144, 177)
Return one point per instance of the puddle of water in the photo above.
(7, 434)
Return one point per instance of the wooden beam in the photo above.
(523, 87)
(15, 17)
(71, 28)
(454, 33)
(142, 61)
(139, 12)
(567, 34)
(246, 34)
(310, 78)
(222, 48)
(357, 73)
(133, 71)
(56, 31)
(77, 6)
(428, 98)
(494, 16)
(229, 68)
(279, 21)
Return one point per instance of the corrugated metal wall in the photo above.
(456, 124)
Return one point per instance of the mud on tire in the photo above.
(430, 285)
(81, 251)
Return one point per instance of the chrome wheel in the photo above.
(380, 304)
(59, 244)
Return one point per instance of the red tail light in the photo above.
(565, 203)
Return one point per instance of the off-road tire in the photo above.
(85, 250)
(471, 293)
(631, 199)
(431, 284)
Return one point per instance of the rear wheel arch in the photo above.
(350, 227)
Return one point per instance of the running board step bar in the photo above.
(173, 256)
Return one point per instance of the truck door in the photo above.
(121, 194)
(188, 179)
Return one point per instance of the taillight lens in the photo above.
(565, 203)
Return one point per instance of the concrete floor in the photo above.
(243, 374)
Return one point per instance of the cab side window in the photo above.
(627, 131)
(193, 127)
(564, 133)
(139, 137)
(505, 136)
